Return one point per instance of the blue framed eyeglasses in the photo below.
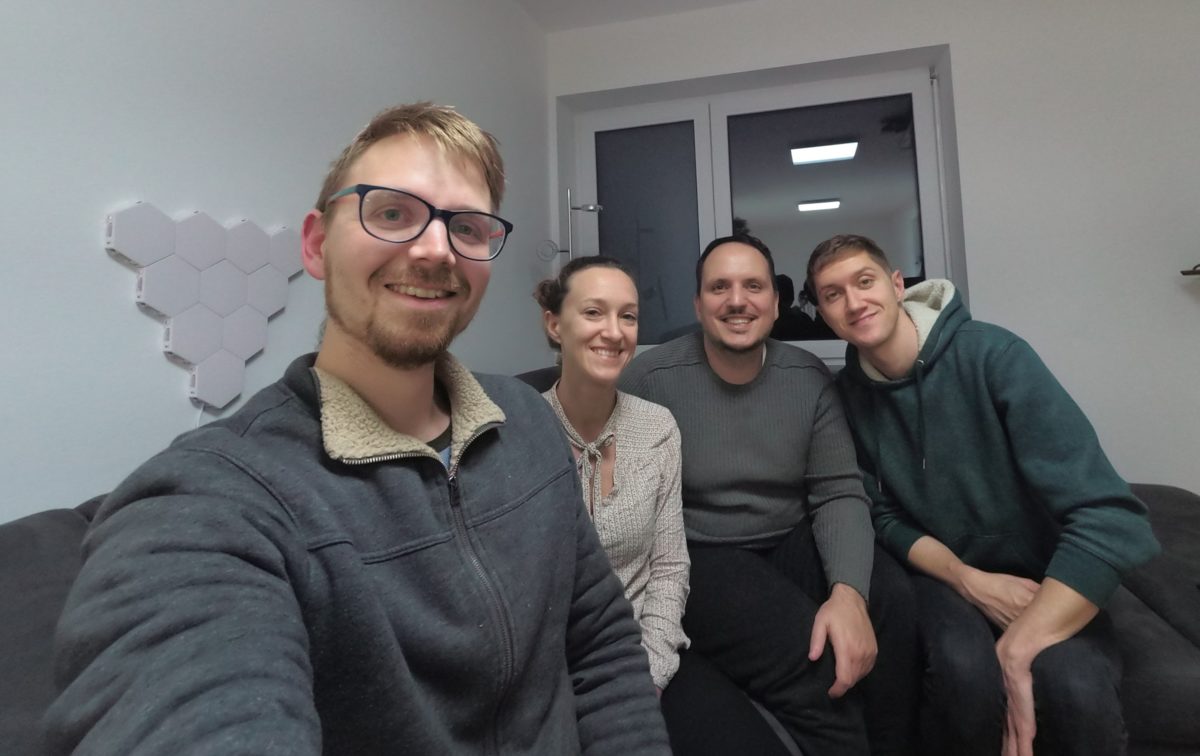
(396, 216)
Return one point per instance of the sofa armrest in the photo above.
(1169, 584)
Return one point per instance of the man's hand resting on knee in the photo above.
(843, 621)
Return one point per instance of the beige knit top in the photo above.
(640, 522)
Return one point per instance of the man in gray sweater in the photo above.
(380, 553)
(790, 600)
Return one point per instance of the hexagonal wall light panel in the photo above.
(223, 287)
(244, 333)
(200, 240)
(285, 252)
(168, 286)
(218, 380)
(194, 335)
(248, 246)
(266, 290)
(139, 235)
(215, 287)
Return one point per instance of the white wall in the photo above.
(1076, 127)
(235, 109)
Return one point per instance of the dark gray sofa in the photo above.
(1157, 612)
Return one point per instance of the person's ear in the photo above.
(550, 322)
(312, 244)
(898, 284)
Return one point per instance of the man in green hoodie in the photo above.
(987, 478)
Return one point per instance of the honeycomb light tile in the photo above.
(285, 252)
(216, 287)
(193, 335)
(267, 290)
(244, 332)
(168, 286)
(200, 240)
(218, 380)
(223, 287)
(248, 246)
(140, 234)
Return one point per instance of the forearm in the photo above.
(1056, 613)
(935, 559)
(846, 543)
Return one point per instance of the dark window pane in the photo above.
(646, 182)
(877, 188)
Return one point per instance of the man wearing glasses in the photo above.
(380, 553)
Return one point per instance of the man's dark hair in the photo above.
(835, 248)
(749, 241)
(787, 291)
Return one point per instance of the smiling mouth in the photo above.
(418, 292)
(607, 352)
(737, 320)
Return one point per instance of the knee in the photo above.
(1083, 695)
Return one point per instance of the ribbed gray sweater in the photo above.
(762, 457)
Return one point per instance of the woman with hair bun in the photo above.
(626, 449)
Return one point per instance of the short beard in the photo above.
(413, 344)
(407, 353)
(736, 350)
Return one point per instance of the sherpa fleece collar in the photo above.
(352, 431)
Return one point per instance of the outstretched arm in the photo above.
(183, 629)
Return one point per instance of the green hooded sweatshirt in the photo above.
(981, 448)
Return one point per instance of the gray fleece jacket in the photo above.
(300, 579)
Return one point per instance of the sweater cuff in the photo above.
(1093, 578)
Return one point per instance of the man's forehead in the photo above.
(852, 263)
(735, 259)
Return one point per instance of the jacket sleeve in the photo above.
(1105, 531)
(615, 705)
(667, 589)
(840, 510)
(182, 633)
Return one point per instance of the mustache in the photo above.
(442, 277)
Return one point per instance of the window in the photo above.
(672, 174)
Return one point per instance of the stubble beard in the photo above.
(717, 340)
(413, 341)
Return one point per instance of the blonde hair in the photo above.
(454, 133)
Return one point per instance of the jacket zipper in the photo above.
(460, 529)
(506, 632)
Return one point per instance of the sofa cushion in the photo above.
(39, 558)
(1161, 684)
(1170, 583)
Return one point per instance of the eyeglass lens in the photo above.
(399, 217)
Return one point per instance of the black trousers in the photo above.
(1075, 684)
(749, 616)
